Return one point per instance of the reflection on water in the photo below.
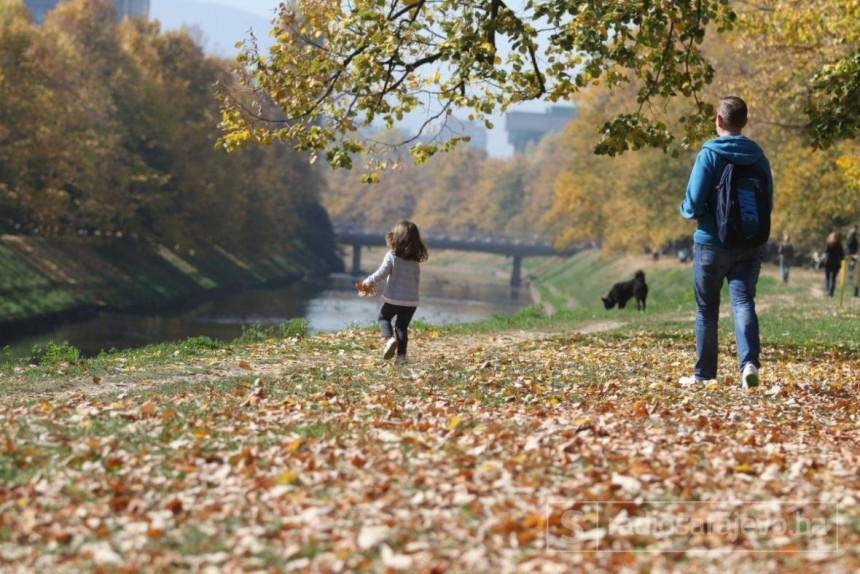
(331, 305)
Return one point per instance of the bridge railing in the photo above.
(474, 236)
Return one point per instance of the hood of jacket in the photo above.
(736, 149)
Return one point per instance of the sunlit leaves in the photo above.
(338, 67)
(807, 54)
(835, 113)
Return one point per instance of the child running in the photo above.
(400, 298)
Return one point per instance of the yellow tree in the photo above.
(540, 170)
(801, 64)
(454, 178)
(583, 189)
(801, 73)
(379, 206)
(37, 112)
(626, 203)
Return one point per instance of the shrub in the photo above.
(257, 333)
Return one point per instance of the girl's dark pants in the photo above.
(404, 316)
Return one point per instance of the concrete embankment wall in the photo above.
(46, 281)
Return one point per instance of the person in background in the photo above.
(833, 256)
(851, 253)
(851, 241)
(786, 256)
(401, 266)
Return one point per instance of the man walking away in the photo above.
(715, 259)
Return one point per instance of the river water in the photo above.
(328, 305)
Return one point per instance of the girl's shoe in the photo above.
(400, 360)
(390, 348)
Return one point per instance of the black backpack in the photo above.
(743, 206)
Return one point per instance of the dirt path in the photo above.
(274, 363)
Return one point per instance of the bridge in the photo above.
(514, 246)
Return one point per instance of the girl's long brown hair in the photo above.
(405, 241)
(834, 238)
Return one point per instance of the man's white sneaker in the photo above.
(390, 348)
(689, 381)
(750, 376)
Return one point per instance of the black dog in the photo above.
(622, 292)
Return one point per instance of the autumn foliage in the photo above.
(109, 128)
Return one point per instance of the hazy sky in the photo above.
(260, 7)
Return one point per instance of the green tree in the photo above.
(338, 67)
(802, 65)
(798, 68)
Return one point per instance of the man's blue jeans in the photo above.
(711, 265)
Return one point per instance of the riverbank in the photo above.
(530, 443)
(44, 282)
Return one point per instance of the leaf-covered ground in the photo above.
(501, 452)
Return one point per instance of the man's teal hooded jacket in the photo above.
(700, 202)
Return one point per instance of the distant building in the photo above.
(526, 127)
(40, 8)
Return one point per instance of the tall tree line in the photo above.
(463, 189)
(110, 127)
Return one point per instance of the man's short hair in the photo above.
(733, 110)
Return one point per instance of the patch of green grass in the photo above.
(52, 354)
(194, 542)
(813, 331)
(794, 316)
(257, 333)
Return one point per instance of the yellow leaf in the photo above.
(287, 478)
(452, 424)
